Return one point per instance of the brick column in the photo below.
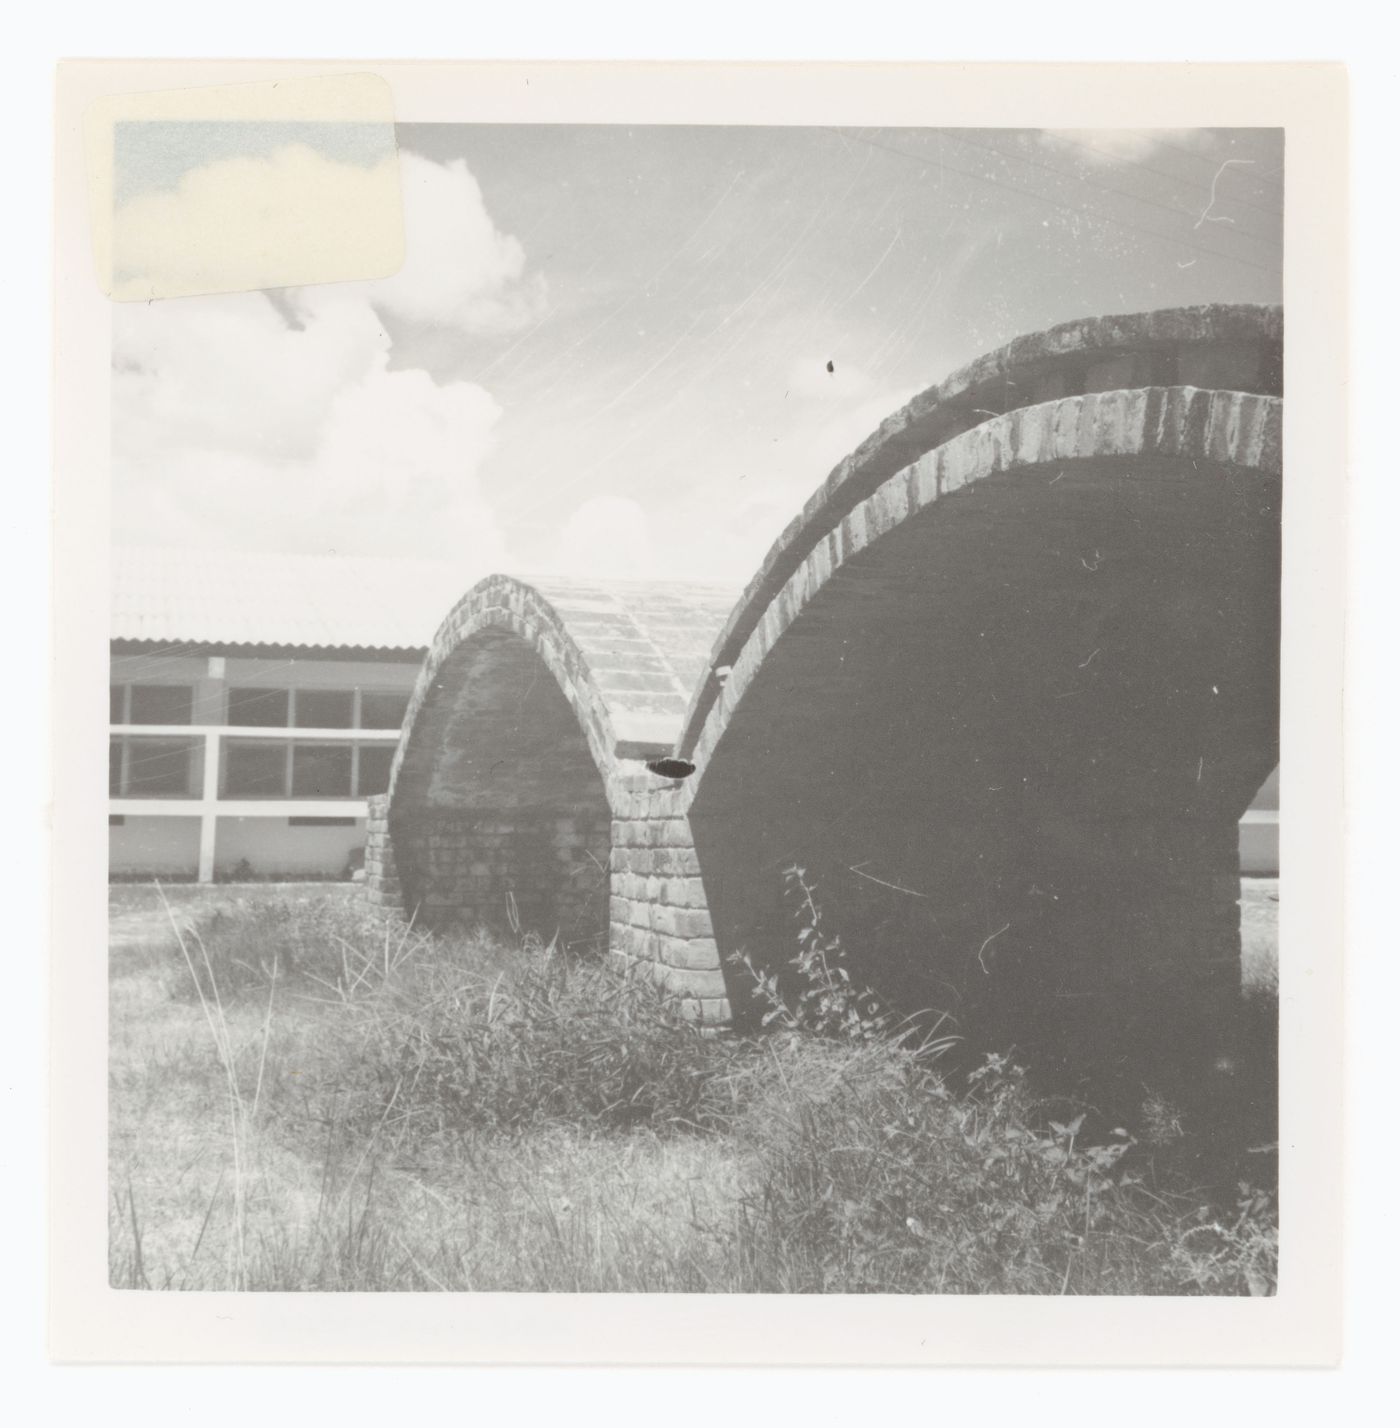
(381, 872)
(660, 919)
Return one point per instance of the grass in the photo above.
(303, 1096)
(1259, 936)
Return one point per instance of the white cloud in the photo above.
(607, 536)
(239, 224)
(460, 270)
(231, 373)
(245, 422)
(718, 531)
(1105, 147)
(395, 473)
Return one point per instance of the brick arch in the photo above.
(898, 652)
(1222, 347)
(536, 701)
(1007, 708)
(499, 613)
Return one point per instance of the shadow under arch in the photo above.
(1007, 709)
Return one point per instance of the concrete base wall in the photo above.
(169, 847)
(271, 846)
(154, 847)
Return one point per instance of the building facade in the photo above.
(256, 703)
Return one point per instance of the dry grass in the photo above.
(1259, 936)
(304, 1098)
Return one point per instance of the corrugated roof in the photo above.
(326, 602)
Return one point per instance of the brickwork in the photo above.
(382, 887)
(520, 789)
(534, 872)
(660, 920)
(1008, 712)
(1235, 348)
(1003, 687)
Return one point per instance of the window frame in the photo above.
(228, 746)
(294, 708)
(336, 746)
(234, 691)
(405, 694)
(127, 698)
(129, 704)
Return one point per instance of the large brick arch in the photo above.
(1008, 710)
(1003, 687)
(888, 702)
(535, 699)
(1222, 347)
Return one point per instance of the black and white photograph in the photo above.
(694, 707)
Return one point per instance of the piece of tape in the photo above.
(236, 187)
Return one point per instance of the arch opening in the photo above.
(500, 815)
(1010, 741)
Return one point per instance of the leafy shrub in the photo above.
(1230, 1254)
(873, 1176)
(817, 993)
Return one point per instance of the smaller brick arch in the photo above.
(535, 700)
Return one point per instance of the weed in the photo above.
(385, 1109)
(338, 947)
(554, 1039)
(817, 993)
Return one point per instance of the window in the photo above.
(118, 716)
(382, 709)
(114, 767)
(273, 768)
(255, 768)
(259, 708)
(321, 771)
(158, 768)
(161, 703)
(325, 709)
(375, 760)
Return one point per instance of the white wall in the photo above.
(1259, 832)
(166, 847)
(271, 846)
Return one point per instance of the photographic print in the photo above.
(694, 706)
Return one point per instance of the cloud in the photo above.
(1102, 148)
(395, 473)
(231, 373)
(460, 270)
(283, 423)
(718, 531)
(238, 224)
(607, 536)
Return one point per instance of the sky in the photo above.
(632, 352)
